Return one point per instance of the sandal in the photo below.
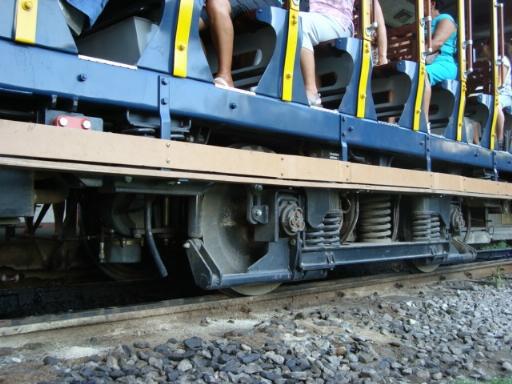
(315, 100)
(221, 82)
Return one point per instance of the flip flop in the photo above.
(220, 81)
(315, 100)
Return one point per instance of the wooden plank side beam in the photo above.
(36, 146)
(87, 169)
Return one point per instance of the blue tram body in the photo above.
(53, 68)
(52, 74)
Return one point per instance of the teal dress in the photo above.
(444, 66)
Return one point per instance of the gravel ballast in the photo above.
(441, 333)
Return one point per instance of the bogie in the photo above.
(144, 150)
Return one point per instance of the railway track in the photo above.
(297, 295)
(55, 297)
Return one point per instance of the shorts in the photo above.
(505, 101)
(443, 68)
(317, 28)
(240, 7)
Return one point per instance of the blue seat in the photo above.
(478, 108)
(337, 66)
(443, 107)
(508, 128)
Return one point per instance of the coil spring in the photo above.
(326, 234)
(375, 219)
(152, 132)
(139, 131)
(426, 226)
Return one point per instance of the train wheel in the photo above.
(228, 236)
(427, 265)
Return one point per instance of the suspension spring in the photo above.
(139, 131)
(375, 219)
(426, 226)
(327, 234)
(176, 134)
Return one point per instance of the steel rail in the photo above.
(298, 295)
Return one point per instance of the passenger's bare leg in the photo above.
(202, 27)
(391, 98)
(219, 14)
(307, 64)
(500, 123)
(426, 98)
(382, 36)
(476, 132)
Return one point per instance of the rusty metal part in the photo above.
(292, 219)
(469, 35)
(303, 294)
(46, 196)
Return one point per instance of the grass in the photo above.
(495, 245)
(497, 278)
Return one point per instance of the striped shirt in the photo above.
(339, 10)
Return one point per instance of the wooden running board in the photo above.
(42, 147)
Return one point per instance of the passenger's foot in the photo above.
(224, 81)
(314, 100)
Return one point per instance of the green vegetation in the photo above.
(498, 278)
(495, 245)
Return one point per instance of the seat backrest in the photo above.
(480, 79)
(253, 47)
(123, 42)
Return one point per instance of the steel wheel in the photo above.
(228, 236)
(426, 265)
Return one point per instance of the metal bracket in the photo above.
(425, 19)
(257, 212)
(260, 214)
(344, 151)
(164, 93)
(372, 28)
(295, 258)
(427, 153)
(494, 166)
(331, 261)
(344, 145)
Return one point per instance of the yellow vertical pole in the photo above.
(181, 40)
(366, 52)
(461, 49)
(26, 21)
(291, 50)
(495, 70)
(420, 32)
